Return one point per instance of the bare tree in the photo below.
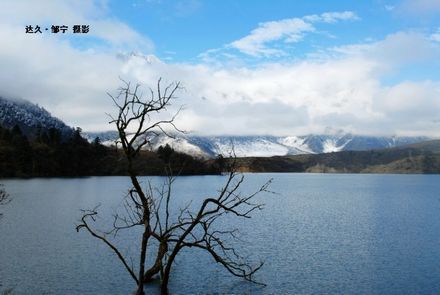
(4, 197)
(150, 207)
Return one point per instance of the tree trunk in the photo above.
(145, 237)
(155, 269)
(166, 273)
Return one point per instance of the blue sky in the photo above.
(248, 67)
(190, 27)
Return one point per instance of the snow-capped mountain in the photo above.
(107, 138)
(29, 117)
(266, 146)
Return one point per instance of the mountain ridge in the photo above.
(416, 158)
(30, 117)
(268, 146)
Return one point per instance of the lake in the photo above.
(320, 234)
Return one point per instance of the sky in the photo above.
(275, 67)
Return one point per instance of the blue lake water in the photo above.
(320, 234)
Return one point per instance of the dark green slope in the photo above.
(49, 156)
(416, 158)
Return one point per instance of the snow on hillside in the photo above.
(295, 144)
(179, 144)
(257, 147)
(267, 146)
(107, 138)
(331, 145)
(29, 117)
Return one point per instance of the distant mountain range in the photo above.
(421, 157)
(30, 118)
(267, 146)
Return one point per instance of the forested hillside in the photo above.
(31, 118)
(49, 154)
(417, 158)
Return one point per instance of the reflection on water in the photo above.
(333, 234)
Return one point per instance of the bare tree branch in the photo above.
(4, 197)
(150, 207)
(91, 214)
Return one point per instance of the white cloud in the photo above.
(120, 35)
(332, 17)
(397, 49)
(67, 81)
(419, 7)
(436, 36)
(47, 69)
(411, 108)
(45, 13)
(287, 30)
(390, 7)
(342, 90)
(409, 98)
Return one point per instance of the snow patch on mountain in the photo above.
(332, 145)
(257, 147)
(33, 119)
(30, 117)
(180, 145)
(107, 138)
(296, 145)
(267, 146)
